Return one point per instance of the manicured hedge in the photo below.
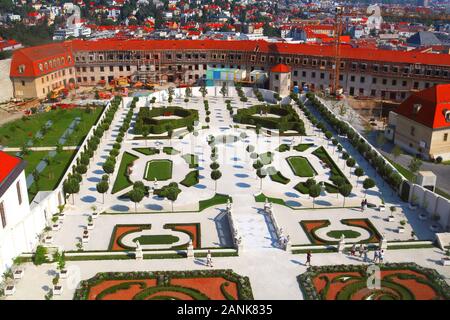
(145, 119)
(288, 118)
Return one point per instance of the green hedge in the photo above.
(145, 119)
(288, 118)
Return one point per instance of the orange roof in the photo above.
(434, 101)
(368, 54)
(7, 165)
(40, 60)
(281, 68)
(33, 57)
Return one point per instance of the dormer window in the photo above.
(22, 68)
(447, 115)
(41, 67)
(416, 108)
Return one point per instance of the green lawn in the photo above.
(17, 133)
(278, 177)
(170, 151)
(191, 179)
(350, 234)
(217, 199)
(191, 160)
(283, 148)
(147, 151)
(302, 188)
(50, 177)
(262, 198)
(303, 147)
(160, 169)
(323, 155)
(301, 166)
(157, 239)
(32, 159)
(404, 171)
(122, 180)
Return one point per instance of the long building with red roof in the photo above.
(382, 74)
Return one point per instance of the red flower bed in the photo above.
(210, 287)
(191, 230)
(393, 286)
(120, 230)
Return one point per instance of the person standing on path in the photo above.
(361, 250)
(381, 256)
(308, 258)
(353, 250)
(209, 259)
(375, 256)
(366, 250)
(362, 206)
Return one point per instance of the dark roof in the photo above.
(423, 38)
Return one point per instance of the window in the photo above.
(352, 78)
(313, 74)
(303, 73)
(373, 92)
(277, 77)
(445, 136)
(295, 73)
(322, 75)
(363, 79)
(394, 82)
(374, 80)
(384, 81)
(2, 214)
(23, 83)
(19, 194)
(404, 83)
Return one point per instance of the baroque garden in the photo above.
(256, 180)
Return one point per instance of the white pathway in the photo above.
(252, 223)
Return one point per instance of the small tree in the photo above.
(224, 90)
(216, 175)
(136, 195)
(261, 173)
(314, 191)
(36, 177)
(108, 166)
(368, 184)
(145, 133)
(345, 190)
(350, 162)
(414, 166)
(102, 187)
(359, 172)
(71, 186)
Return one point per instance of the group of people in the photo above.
(363, 204)
(363, 250)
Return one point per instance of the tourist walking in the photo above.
(366, 250)
(209, 259)
(381, 256)
(308, 258)
(353, 250)
(375, 256)
(361, 250)
(362, 205)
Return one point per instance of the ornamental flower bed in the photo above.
(311, 226)
(399, 281)
(166, 285)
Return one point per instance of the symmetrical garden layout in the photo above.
(255, 182)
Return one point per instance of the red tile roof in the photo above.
(434, 101)
(7, 165)
(281, 68)
(34, 60)
(367, 54)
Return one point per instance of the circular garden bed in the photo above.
(166, 285)
(398, 281)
